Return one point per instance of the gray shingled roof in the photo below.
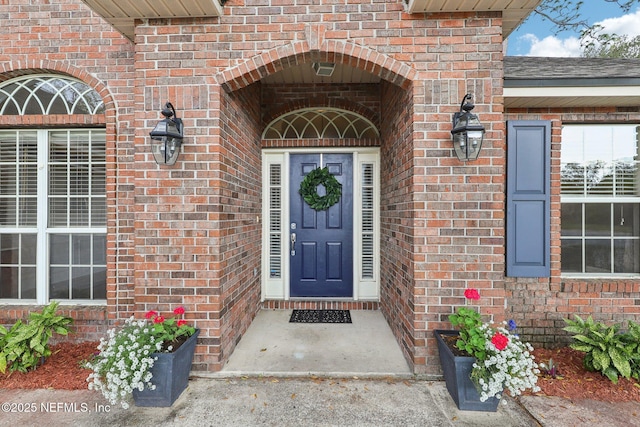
(575, 71)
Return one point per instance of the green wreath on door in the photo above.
(309, 189)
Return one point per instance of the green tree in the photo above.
(612, 46)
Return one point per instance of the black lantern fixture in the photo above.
(167, 137)
(467, 131)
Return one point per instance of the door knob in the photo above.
(293, 244)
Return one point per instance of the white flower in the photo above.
(121, 363)
(512, 368)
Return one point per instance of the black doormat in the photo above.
(320, 316)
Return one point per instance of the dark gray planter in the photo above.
(457, 375)
(170, 375)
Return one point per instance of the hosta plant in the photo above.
(503, 361)
(25, 345)
(607, 349)
(633, 336)
(125, 357)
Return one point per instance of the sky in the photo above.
(535, 37)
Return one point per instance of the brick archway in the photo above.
(315, 48)
(242, 118)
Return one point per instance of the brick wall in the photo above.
(65, 37)
(240, 209)
(540, 305)
(89, 322)
(458, 212)
(397, 281)
(187, 234)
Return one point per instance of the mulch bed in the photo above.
(63, 371)
(575, 382)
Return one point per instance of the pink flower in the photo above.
(500, 341)
(178, 310)
(150, 314)
(158, 319)
(472, 293)
(181, 322)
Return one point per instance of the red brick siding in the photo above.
(187, 234)
(321, 305)
(89, 322)
(397, 281)
(540, 305)
(64, 37)
(458, 212)
(240, 209)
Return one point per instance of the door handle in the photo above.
(293, 244)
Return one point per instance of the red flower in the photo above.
(150, 314)
(181, 322)
(472, 294)
(500, 341)
(178, 310)
(158, 319)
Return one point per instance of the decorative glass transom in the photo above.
(44, 95)
(310, 123)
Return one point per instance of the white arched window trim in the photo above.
(49, 94)
(310, 123)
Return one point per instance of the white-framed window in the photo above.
(52, 196)
(600, 195)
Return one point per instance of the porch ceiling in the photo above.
(122, 13)
(303, 73)
(513, 11)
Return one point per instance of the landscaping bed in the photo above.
(64, 371)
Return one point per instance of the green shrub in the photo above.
(633, 337)
(607, 350)
(25, 344)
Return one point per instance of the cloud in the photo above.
(552, 46)
(628, 24)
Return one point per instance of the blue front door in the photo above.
(321, 244)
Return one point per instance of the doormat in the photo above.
(320, 316)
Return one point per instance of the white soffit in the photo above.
(513, 11)
(122, 13)
(571, 96)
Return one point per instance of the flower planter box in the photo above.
(456, 371)
(170, 375)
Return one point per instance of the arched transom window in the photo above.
(48, 94)
(320, 123)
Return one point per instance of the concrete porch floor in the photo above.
(274, 347)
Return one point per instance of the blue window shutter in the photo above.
(528, 198)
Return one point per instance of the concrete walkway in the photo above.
(278, 402)
(272, 346)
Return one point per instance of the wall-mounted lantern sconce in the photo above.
(166, 137)
(467, 131)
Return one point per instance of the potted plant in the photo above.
(480, 360)
(149, 359)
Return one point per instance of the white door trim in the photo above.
(275, 221)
